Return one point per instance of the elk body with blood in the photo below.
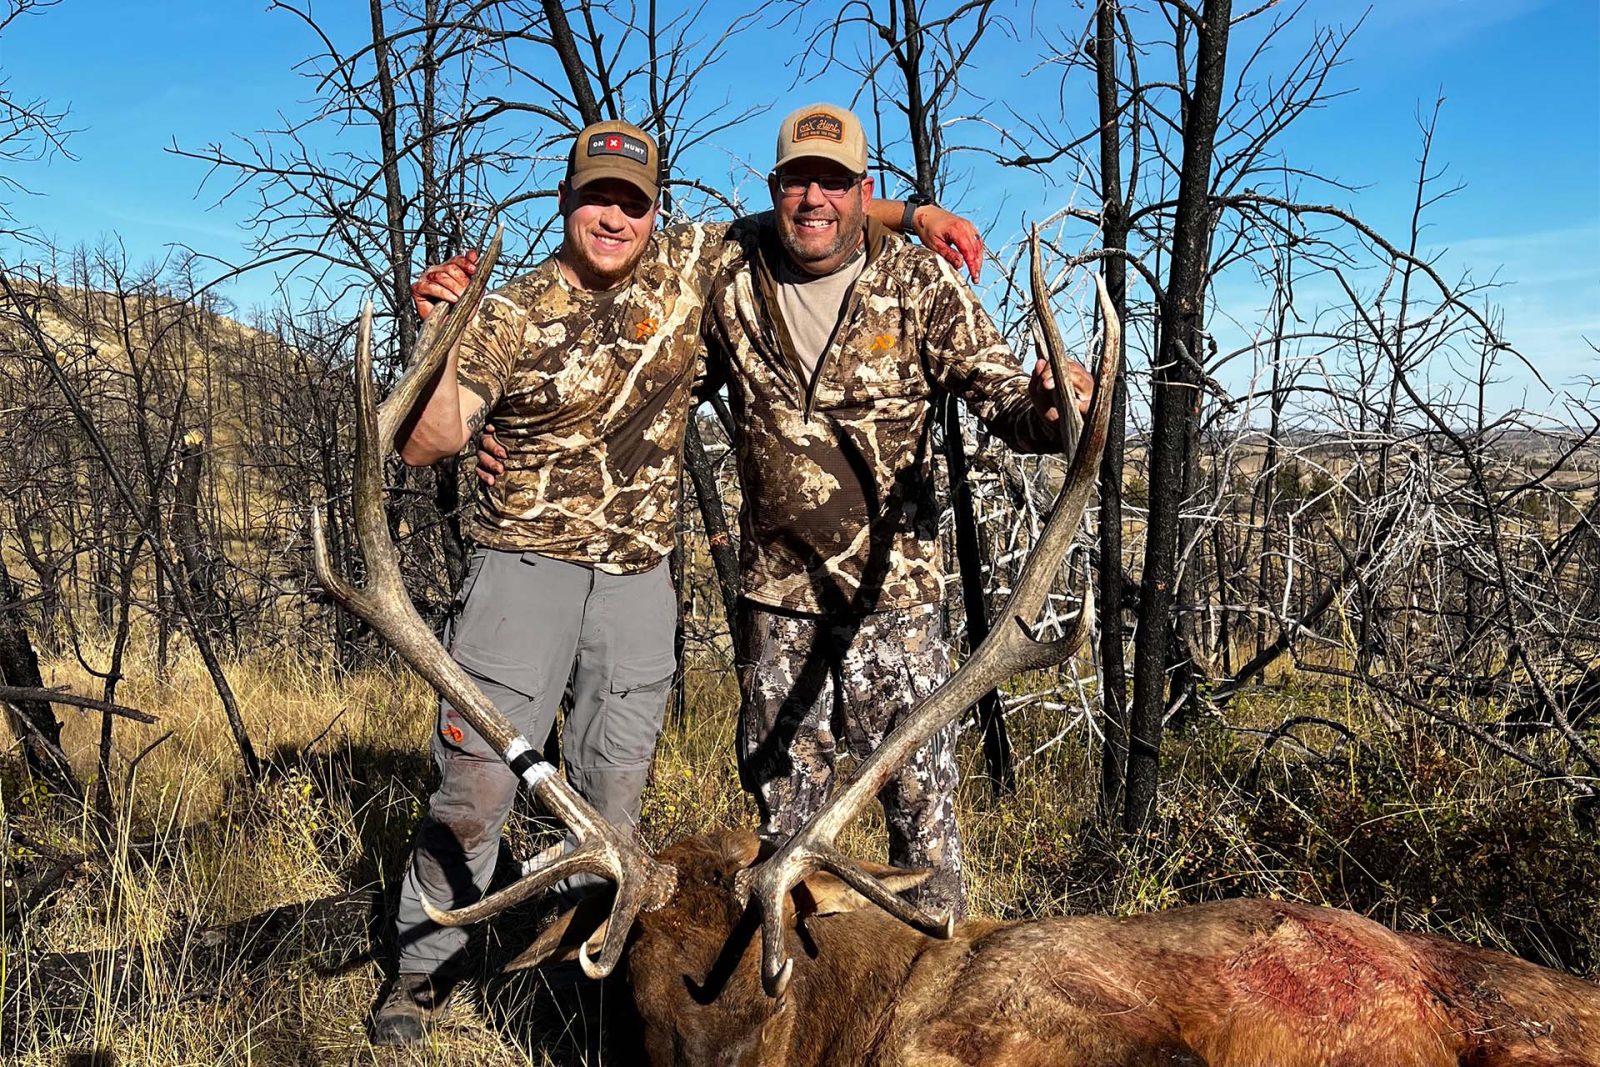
(1238, 983)
(804, 956)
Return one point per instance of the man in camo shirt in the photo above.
(586, 366)
(834, 337)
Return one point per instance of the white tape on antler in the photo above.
(534, 771)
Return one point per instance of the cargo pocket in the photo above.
(512, 686)
(642, 673)
(645, 674)
(638, 701)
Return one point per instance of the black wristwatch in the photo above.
(914, 201)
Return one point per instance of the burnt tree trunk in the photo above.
(199, 567)
(446, 473)
(32, 721)
(969, 557)
(723, 557)
(394, 198)
(920, 109)
(566, 47)
(447, 499)
(1185, 673)
(1114, 227)
(1176, 393)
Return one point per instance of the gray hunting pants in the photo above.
(530, 627)
(814, 689)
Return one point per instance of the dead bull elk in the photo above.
(736, 958)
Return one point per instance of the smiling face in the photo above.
(821, 209)
(607, 227)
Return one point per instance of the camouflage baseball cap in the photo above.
(615, 150)
(823, 131)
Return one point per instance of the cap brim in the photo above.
(621, 169)
(832, 155)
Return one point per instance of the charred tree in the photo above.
(199, 566)
(1114, 239)
(1177, 382)
(927, 85)
(32, 721)
(969, 557)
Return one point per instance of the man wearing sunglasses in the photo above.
(833, 338)
(585, 365)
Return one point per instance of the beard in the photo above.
(612, 271)
(849, 216)
(608, 273)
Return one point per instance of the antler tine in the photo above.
(584, 860)
(439, 335)
(1008, 649)
(850, 872)
(1055, 351)
(383, 603)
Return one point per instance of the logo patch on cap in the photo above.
(619, 144)
(819, 125)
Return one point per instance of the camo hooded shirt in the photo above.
(589, 394)
(839, 514)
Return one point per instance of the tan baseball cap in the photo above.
(615, 149)
(823, 131)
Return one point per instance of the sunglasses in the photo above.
(832, 185)
(633, 204)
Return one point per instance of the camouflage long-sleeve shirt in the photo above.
(590, 393)
(837, 470)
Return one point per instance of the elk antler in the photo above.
(603, 849)
(1055, 350)
(1010, 648)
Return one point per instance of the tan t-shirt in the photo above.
(589, 394)
(811, 303)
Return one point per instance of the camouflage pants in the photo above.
(815, 689)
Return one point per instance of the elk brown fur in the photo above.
(1236, 983)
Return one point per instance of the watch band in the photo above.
(914, 201)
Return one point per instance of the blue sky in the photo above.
(1520, 128)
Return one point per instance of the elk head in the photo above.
(693, 965)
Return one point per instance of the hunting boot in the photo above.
(405, 1013)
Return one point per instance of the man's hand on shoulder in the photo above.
(491, 456)
(443, 282)
(1042, 388)
(952, 236)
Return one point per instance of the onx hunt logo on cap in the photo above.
(619, 144)
(819, 125)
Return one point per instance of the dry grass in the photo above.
(1417, 834)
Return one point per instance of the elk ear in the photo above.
(744, 848)
(585, 921)
(826, 894)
